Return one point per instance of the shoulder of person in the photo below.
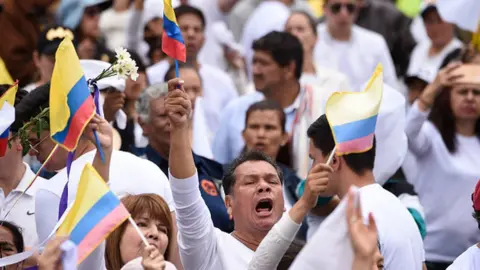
(330, 74)
(214, 169)
(137, 165)
(369, 36)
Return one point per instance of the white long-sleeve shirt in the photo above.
(272, 248)
(444, 183)
(202, 246)
(356, 58)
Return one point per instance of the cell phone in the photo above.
(470, 72)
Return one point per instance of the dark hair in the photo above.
(441, 114)
(310, 19)
(321, 135)
(295, 247)
(170, 74)
(267, 105)
(229, 177)
(187, 9)
(31, 105)
(284, 48)
(138, 60)
(154, 44)
(21, 93)
(16, 233)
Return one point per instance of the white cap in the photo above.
(152, 9)
(93, 68)
(427, 4)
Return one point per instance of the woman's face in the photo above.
(465, 102)
(7, 247)
(299, 26)
(131, 244)
(263, 132)
(90, 22)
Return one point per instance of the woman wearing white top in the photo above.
(124, 246)
(446, 147)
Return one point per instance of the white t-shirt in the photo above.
(128, 175)
(202, 246)
(23, 214)
(469, 260)
(444, 183)
(400, 241)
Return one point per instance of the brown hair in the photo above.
(151, 204)
(441, 114)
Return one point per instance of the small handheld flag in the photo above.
(172, 40)
(95, 213)
(71, 105)
(5, 77)
(353, 116)
(7, 116)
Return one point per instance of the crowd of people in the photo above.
(226, 165)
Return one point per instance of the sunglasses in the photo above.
(92, 11)
(337, 7)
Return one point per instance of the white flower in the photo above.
(121, 54)
(134, 76)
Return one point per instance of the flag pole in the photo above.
(330, 158)
(177, 73)
(144, 240)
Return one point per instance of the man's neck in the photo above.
(340, 34)
(251, 240)
(11, 173)
(193, 61)
(352, 179)
(84, 146)
(437, 48)
(285, 94)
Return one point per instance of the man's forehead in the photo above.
(255, 168)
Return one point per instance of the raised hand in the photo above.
(104, 132)
(364, 238)
(316, 183)
(152, 259)
(52, 255)
(177, 105)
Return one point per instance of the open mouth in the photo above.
(264, 206)
(260, 146)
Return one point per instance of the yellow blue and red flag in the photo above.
(7, 116)
(95, 213)
(5, 77)
(71, 105)
(353, 116)
(172, 40)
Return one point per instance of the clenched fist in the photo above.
(177, 104)
(316, 183)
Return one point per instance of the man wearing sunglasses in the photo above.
(350, 49)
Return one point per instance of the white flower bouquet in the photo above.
(123, 67)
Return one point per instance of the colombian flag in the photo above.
(7, 116)
(95, 213)
(353, 116)
(71, 105)
(172, 40)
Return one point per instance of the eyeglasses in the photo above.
(337, 7)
